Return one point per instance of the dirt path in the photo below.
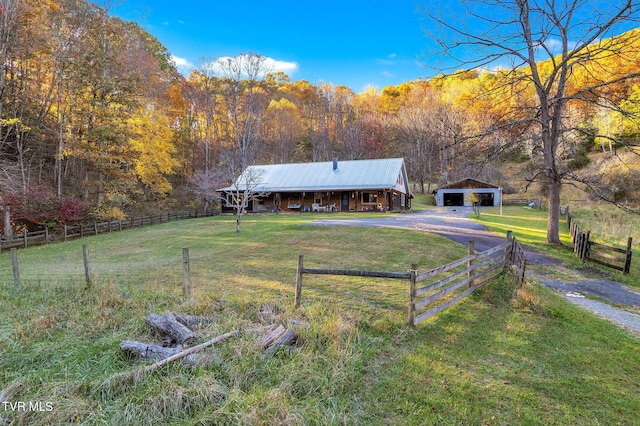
(453, 223)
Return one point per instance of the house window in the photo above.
(370, 197)
(318, 197)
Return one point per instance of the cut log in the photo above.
(284, 339)
(276, 337)
(168, 325)
(272, 334)
(192, 321)
(149, 351)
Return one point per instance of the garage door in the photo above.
(485, 198)
(453, 199)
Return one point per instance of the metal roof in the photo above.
(388, 173)
(468, 183)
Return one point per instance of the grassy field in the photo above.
(533, 359)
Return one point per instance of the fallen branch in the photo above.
(189, 351)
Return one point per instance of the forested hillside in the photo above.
(95, 120)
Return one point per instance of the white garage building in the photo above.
(458, 193)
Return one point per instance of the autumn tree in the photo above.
(414, 124)
(281, 132)
(246, 104)
(537, 46)
(367, 107)
(203, 92)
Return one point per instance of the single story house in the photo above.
(458, 193)
(357, 185)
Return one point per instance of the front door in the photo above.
(344, 205)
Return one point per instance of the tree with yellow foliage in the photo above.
(152, 149)
(536, 46)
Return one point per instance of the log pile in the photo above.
(276, 337)
(176, 333)
(178, 339)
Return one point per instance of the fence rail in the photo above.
(481, 268)
(68, 232)
(601, 254)
(26, 239)
(536, 202)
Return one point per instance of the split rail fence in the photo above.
(68, 232)
(447, 284)
(601, 254)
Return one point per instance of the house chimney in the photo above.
(335, 163)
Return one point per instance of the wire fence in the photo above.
(68, 232)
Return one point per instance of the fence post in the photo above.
(14, 263)
(584, 253)
(25, 238)
(87, 264)
(185, 272)
(627, 262)
(412, 293)
(299, 280)
(508, 255)
(472, 251)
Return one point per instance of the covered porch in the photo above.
(331, 201)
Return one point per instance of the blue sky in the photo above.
(355, 43)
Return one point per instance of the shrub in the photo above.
(39, 205)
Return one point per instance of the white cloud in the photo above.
(386, 74)
(554, 45)
(284, 66)
(182, 64)
(391, 59)
(270, 65)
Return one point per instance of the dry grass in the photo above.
(608, 224)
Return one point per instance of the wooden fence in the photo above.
(68, 232)
(449, 284)
(536, 202)
(461, 277)
(605, 255)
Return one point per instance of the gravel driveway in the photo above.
(453, 223)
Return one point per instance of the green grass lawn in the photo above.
(489, 360)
